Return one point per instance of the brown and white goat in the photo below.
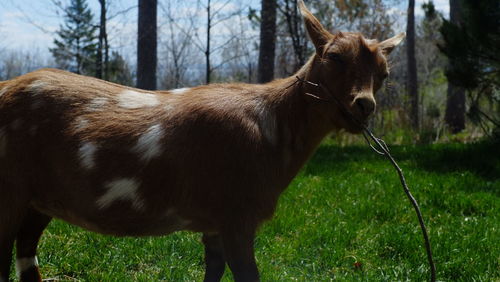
(211, 159)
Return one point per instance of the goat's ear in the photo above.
(318, 34)
(388, 45)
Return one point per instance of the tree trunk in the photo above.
(103, 33)
(455, 100)
(296, 31)
(146, 45)
(207, 50)
(106, 55)
(412, 66)
(267, 41)
(78, 57)
(101, 43)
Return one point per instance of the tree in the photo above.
(207, 50)
(455, 101)
(103, 46)
(177, 45)
(242, 53)
(146, 45)
(217, 12)
(293, 22)
(412, 66)
(76, 47)
(471, 40)
(119, 70)
(215, 17)
(18, 62)
(430, 65)
(267, 41)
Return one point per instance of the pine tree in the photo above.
(76, 47)
(119, 70)
(471, 45)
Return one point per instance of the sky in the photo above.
(30, 24)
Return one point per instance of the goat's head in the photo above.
(350, 67)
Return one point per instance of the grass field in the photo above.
(344, 217)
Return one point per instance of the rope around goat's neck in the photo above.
(382, 150)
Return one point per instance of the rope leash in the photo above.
(381, 149)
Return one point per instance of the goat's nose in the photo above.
(366, 105)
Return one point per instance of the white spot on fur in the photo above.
(97, 103)
(4, 90)
(86, 153)
(148, 144)
(23, 264)
(81, 123)
(121, 189)
(267, 123)
(179, 91)
(169, 107)
(37, 86)
(3, 141)
(132, 99)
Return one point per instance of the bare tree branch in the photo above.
(214, 14)
(226, 61)
(122, 12)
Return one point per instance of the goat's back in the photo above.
(129, 162)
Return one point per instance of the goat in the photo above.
(212, 159)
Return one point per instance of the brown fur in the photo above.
(227, 150)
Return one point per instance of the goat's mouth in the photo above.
(353, 124)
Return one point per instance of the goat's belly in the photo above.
(117, 221)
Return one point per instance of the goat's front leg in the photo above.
(13, 206)
(214, 257)
(239, 254)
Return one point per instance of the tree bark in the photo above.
(412, 66)
(267, 41)
(102, 41)
(455, 100)
(295, 29)
(207, 50)
(146, 45)
(104, 34)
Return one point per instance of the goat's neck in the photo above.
(302, 123)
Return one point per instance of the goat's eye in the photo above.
(334, 57)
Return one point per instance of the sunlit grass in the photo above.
(344, 217)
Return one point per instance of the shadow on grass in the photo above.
(481, 159)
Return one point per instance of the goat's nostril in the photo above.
(366, 105)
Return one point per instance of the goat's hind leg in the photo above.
(26, 243)
(239, 253)
(214, 257)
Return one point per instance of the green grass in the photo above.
(345, 208)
